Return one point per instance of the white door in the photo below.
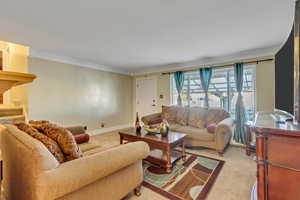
(146, 100)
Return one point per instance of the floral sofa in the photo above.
(206, 127)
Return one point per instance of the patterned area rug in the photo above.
(189, 180)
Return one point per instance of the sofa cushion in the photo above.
(63, 137)
(197, 116)
(215, 115)
(51, 145)
(182, 115)
(169, 113)
(192, 132)
(174, 126)
(84, 147)
(99, 149)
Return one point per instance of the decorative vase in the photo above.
(164, 128)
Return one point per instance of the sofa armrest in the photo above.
(72, 175)
(223, 133)
(152, 119)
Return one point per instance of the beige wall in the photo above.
(73, 95)
(265, 86)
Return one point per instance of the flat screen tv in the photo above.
(297, 63)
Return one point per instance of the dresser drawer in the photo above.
(283, 151)
(283, 184)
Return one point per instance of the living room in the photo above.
(150, 100)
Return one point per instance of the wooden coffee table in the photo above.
(156, 141)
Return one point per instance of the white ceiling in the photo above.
(135, 36)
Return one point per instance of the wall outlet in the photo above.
(102, 125)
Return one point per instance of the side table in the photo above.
(250, 144)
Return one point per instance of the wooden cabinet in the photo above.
(278, 157)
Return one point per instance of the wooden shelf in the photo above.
(11, 79)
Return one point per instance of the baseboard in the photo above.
(109, 129)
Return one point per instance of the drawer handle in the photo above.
(284, 166)
(264, 162)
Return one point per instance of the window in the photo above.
(222, 91)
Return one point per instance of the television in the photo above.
(297, 63)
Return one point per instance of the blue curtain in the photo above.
(179, 81)
(205, 76)
(240, 111)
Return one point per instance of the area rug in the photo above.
(191, 179)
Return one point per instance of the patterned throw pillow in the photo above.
(63, 137)
(51, 145)
(38, 121)
(169, 113)
(197, 117)
(182, 115)
(215, 115)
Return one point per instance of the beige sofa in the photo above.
(193, 121)
(32, 173)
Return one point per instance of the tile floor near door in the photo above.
(233, 183)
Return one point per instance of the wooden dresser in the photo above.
(278, 157)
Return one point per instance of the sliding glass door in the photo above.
(222, 90)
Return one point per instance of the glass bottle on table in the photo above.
(137, 124)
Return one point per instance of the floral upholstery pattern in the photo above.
(38, 122)
(182, 115)
(63, 137)
(51, 145)
(207, 127)
(169, 113)
(215, 115)
(197, 117)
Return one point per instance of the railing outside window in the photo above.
(222, 90)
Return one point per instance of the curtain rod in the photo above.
(226, 65)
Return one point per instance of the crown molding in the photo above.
(37, 53)
(239, 56)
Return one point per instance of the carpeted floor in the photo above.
(233, 183)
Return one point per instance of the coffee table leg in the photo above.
(183, 152)
(121, 139)
(169, 163)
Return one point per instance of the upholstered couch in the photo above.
(32, 173)
(206, 127)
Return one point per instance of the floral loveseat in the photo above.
(206, 127)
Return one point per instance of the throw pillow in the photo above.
(211, 128)
(51, 145)
(197, 117)
(63, 137)
(182, 115)
(38, 121)
(215, 115)
(82, 138)
(155, 121)
(169, 113)
(76, 130)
